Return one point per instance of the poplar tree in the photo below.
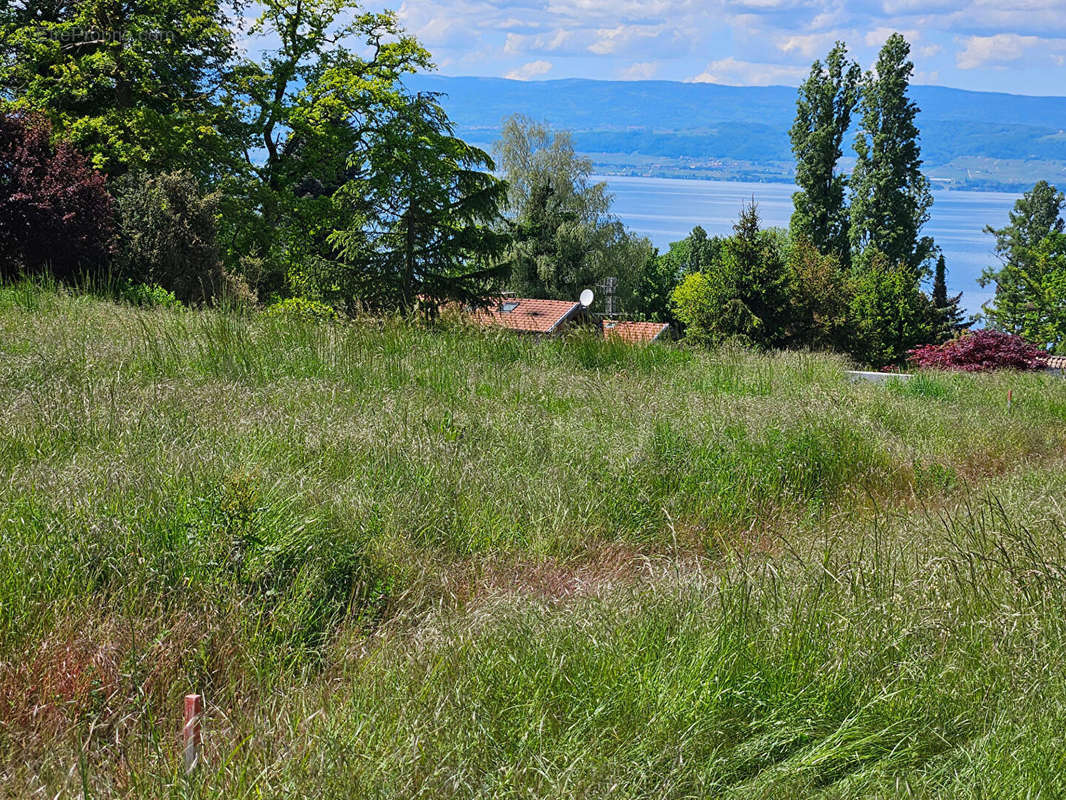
(823, 114)
(890, 197)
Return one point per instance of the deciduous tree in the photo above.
(55, 211)
(1030, 282)
(168, 234)
(565, 238)
(891, 315)
(313, 104)
(823, 116)
(135, 85)
(890, 196)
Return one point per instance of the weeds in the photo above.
(408, 560)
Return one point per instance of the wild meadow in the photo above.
(404, 559)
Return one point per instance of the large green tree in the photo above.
(426, 216)
(890, 315)
(565, 238)
(312, 105)
(1030, 282)
(742, 294)
(693, 253)
(823, 114)
(134, 84)
(890, 197)
(820, 292)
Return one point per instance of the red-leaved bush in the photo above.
(980, 351)
(55, 210)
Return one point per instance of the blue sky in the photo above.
(993, 45)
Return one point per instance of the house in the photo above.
(634, 332)
(551, 317)
(526, 315)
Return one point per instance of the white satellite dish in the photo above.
(587, 297)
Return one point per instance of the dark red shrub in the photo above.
(55, 210)
(980, 351)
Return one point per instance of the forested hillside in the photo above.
(969, 139)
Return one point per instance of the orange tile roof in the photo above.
(527, 315)
(634, 332)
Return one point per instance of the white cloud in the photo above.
(1003, 48)
(621, 38)
(878, 36)
(754, 41)
(747, 73)
(640, 71)
(550, 42)
(809, 45)
(526, 72)
(990, 17)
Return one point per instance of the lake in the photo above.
(666, 209)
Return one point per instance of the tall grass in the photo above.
(404, 560)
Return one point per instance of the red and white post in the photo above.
(191, 733)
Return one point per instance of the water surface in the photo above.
(666, 209)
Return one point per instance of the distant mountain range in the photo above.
(971, 140)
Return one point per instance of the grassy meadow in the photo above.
(406, 560)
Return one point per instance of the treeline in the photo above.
(146, 146)
(854, 272)
(151, 149)
(850, 272)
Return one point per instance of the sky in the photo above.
(1016, 46)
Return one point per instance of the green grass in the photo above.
(408, 561)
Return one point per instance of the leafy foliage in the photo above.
(1030, 297)
(167, 235)
(301, 308)
(138, 86)
(55, 212)
(564, 237)
(693, 253)
(891, 314)
(820, 293)
(151, 296)
(890, 197)
(312, 105)
(742, 294)
(823, 116)
(949, 318)
(428, 216)
(980, 351)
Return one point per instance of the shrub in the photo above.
(980, 351)
(141, 294)
(168, 235)
(55, 211)
(303, 309)
(890, 313)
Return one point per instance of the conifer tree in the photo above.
(949, 317)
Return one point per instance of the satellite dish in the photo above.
(587, 297)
